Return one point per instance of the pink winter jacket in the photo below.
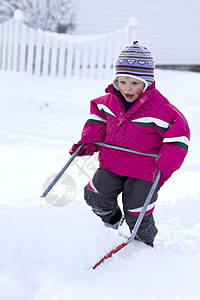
(151, 125)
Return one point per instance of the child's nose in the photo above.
(129, 87)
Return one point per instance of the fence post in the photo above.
(15, 45)
(23, 43)
(70, 58)
(61, 58)
(38, 51)
(85, 58)
(46, 54)
(78, 51)
(93, 59)
(1, 46)
(5, 45)
(31, 50)
(101, 56)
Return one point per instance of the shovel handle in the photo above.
(77, 152)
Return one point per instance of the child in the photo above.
(134, 115)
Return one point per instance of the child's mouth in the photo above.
(128, 96)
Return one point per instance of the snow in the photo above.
(47, 251)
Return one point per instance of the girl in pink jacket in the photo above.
(134, 115)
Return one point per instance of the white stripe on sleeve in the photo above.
(179, 139)
(95, 117)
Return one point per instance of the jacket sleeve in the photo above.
(174, 147)
(95, 127)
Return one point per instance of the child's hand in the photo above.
(86, 150)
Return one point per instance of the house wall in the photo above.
(169, 28)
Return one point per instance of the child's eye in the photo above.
(122, 81)
(134, 83)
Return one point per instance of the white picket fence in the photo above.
(23, 49)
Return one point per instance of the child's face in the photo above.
(130, 88)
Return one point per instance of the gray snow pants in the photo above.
(102, 192)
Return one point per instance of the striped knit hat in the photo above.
(135, 61)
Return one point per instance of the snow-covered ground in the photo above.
(47, 252)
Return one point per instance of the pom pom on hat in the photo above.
(135, 61)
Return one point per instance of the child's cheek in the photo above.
(139, 90)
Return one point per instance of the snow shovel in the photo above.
(79, 149)
(147, 201)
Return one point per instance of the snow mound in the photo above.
(38, 240)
